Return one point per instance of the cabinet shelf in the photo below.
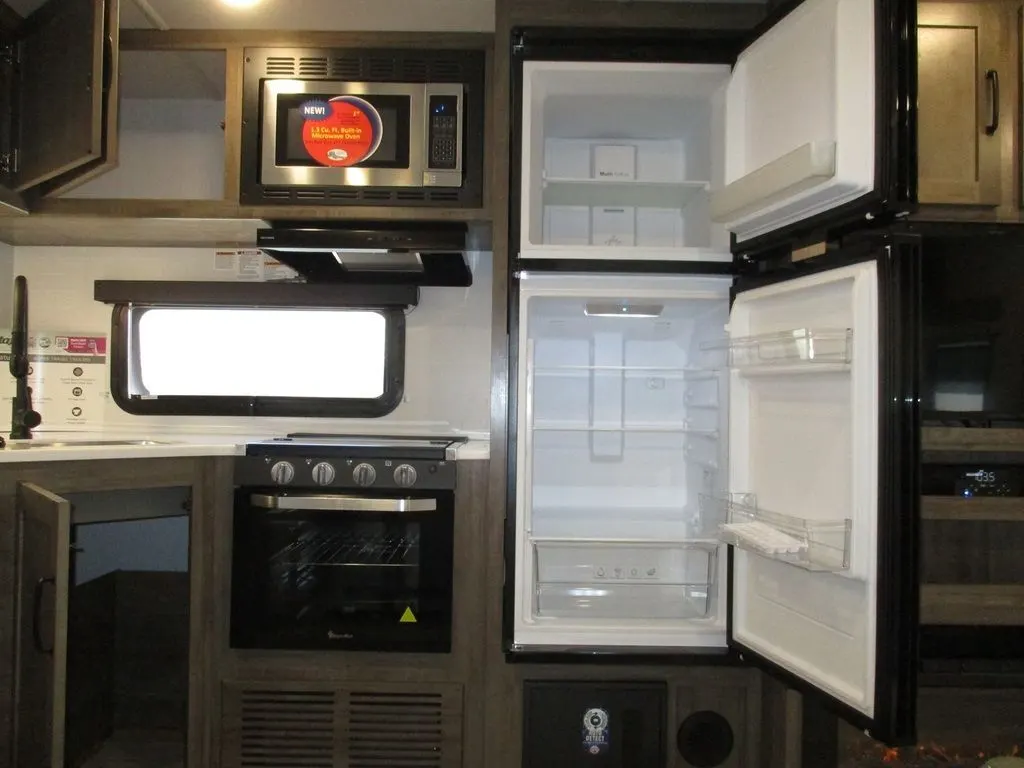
(623, 192)
(814, 545)
(800, 349)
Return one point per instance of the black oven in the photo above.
(341, 551)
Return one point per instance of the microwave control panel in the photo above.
(443, 132)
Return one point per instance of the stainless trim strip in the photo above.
(416, 175)
(339, 503)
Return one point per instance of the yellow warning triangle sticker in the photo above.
(408, 617)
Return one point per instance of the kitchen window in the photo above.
(257, 361)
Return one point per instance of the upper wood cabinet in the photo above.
(967, 93)
(60, 99)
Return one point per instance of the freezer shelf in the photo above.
(814, 545)
(623, 601)
(792, 351)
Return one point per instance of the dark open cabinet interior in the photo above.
(60, 99)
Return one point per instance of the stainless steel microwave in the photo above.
(351, 127)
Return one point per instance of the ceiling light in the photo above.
(240, 3)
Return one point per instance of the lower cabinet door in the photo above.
(341, 725)
(44, 579)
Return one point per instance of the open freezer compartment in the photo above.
(621, 423)
(619, 159)
(805, 441)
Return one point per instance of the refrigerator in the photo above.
(713, 406)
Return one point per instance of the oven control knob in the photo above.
(405, 476)
(282, 472)
(364, 475)
(323, 473)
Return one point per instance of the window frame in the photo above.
(125, 319)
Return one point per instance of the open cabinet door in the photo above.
(823, 479)
(44, 581)
(820, 119)
(67, 95)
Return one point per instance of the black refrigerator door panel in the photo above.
(572, 724)
(846, 635)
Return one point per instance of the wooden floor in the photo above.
(141, 749)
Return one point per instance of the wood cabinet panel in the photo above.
(966, 93)
(42, 627)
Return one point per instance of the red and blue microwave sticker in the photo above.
(341, 132)
(595, 731)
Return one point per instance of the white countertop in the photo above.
(154, 444)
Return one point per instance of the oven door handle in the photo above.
(338, 503)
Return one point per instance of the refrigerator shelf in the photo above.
(671, 429)
(814, 545)
(627, 371)
(637, 193)
(643, 562)
(793, 351)
(623, 601)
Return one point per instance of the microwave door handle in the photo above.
(339, 503)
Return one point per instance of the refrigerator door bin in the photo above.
(815, 545)
(790, 351)
(624, 579)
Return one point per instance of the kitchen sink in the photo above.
(29, 444)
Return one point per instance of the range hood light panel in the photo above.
(379, 260)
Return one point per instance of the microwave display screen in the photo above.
(293, 130)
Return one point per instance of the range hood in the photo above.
(420, 253)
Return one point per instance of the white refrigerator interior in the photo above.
(655, 427)
(621, 431)
(663, 161)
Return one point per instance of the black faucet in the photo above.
(23, 418)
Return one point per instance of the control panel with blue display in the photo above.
(994, 481)
(443, 131)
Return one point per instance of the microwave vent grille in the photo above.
(276, 194)
(309, 194)
(381, 68)
(382, 195)
(343, 194)
(415, 70)
(312, 67)
(280, 65)
(347, 67)
(446, 71)
(361, 195)
(444, 195)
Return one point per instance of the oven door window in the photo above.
(305, 140)
(346, 580)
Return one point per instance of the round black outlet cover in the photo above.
(705, 739)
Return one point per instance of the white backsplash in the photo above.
(448, 338)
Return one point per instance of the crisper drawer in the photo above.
(623, 579)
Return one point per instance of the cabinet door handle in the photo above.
(37, 615)
(993, 84)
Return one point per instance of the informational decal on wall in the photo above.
(341, 132)
(68, 376)
(251, 264)
(595, 731)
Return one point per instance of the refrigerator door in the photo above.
(823, 508)
(819, 120)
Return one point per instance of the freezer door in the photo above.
(819, 120)
(822, 512)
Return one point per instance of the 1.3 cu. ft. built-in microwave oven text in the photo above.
(362, 127)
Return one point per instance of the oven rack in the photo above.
(350, 549)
